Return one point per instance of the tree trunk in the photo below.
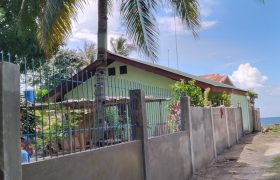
(101, 70)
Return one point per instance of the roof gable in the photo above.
(154, 68)
(219, 78)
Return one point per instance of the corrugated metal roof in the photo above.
(194, 77)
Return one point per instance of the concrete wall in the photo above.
(117, 162)
(220, 127)
(174, 156)
(170, 157)
(203, 141)
(232, 128)
(10, 157)
(257, 121)
(239, 124)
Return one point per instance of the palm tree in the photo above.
(121, 46)
(54, 26)
(89, 52)
(54, 21)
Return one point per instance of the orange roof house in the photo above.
(219, 78)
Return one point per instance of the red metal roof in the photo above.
(219, 78)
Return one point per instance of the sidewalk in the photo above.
(251, 159)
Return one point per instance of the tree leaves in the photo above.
(121, 46)
(54, 17)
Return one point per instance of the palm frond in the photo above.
(138, 17)
(55, 22)
(110, 7)
(188, 11)
(121, 46)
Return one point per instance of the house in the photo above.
(219, 78)
(147, 74)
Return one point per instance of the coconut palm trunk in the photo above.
(102, 63)
(54, 21)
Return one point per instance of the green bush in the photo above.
(181, 88)
(217, 99)
(197, 97)
(40, 93)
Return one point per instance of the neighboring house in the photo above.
(149, 74)
(219, 78)
(235, 100)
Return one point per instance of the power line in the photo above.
(177, 56)
(168, 57)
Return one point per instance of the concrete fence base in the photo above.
(10, 159)
(206, 133)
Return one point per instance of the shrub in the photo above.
(40, 93)
(217, 99)
(181, 88)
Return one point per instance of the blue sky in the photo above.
(240, 38)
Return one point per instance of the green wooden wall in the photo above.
(242, 101)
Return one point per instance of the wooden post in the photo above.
(140, 132)
(186, 123)
(10, 158)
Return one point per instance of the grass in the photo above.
(276, 168)
(276, 162)
(275, 129)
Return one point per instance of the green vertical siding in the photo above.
(123, 84)
(242, 101)
(119, 85)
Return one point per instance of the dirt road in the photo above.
(251, 159)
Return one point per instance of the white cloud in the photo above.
(206, 7)
(85, 29)
(167, 25)
(248, 77)
(208, 24)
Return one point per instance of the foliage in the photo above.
(89, 52)
(27, 117)
(16, 37)
(218, 99)
(276, 168)
(63, 65)
(39, 93)
(206, 101)
(121, 46)
(181, 88)
(54, 20)
(276, 162)
(173, 120)
(53, 129)
(113, 122)
(274, 129)
(253, 96)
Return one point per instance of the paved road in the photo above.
(251, 159)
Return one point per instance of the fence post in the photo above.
(226, 116)
(10, 159)
(213, 132)
(186, 123)
(235, 123)
(139, 117)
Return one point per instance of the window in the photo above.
(111, 71)
(123, 70)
